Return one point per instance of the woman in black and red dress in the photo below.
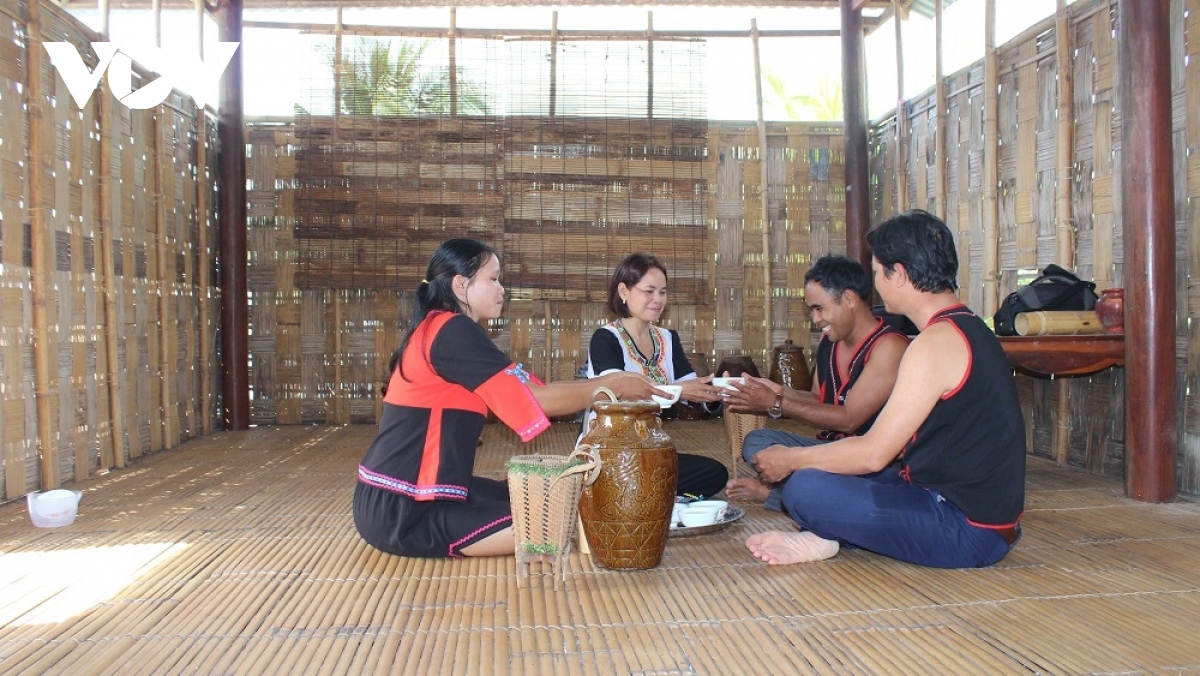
(415, 494)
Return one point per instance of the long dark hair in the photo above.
(460, 256)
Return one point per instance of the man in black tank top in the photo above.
(855, 368)
(952, 426)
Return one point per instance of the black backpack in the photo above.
(1056, 289)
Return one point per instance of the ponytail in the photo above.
(461, 256)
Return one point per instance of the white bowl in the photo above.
(53, 508)
(727, 382)
(675, 391)
(719, 505)
(698, 516)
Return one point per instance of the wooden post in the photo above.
(235, 348)
(1065, 228)
(764, 189)
(898, 156)
(553, 61)
(1148, 216)
(991, 166)
(939, 153)
(204, 260)
(40, 253)
(165, 402)
(453, 42)
(858, 186)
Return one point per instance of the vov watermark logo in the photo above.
(197, 76)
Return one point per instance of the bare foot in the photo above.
(747, 490)
(778, 548)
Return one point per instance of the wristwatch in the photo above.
(776, 410)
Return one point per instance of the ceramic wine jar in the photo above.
(789, 367)
(626, 512)
(1111, 310)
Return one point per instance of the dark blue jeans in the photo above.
(885, 514)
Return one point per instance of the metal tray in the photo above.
(732, 513)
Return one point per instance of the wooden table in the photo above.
(1064, 355)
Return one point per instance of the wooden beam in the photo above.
(1148, 217)
(41, 252)
(235, 343)
(898, 156)
(990, 243)
(763, 188)
(939, 152)
(858, 195)
(203, 257)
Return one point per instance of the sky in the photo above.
(283, 68)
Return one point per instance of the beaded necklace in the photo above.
(653, 367)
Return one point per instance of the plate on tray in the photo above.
(732, 513)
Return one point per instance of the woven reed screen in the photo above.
(319, 350)
(1028, 77)
(158, 366)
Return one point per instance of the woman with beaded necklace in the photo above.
(637, 295)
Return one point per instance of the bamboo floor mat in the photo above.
(236, 554)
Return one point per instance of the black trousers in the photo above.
(700, 476)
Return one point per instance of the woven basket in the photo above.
(737, 426)
(544, 495)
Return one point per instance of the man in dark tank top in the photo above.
(939, 479)
(856, 364)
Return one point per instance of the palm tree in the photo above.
(387, 78)
(824, 106)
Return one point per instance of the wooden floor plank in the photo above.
(236, 553)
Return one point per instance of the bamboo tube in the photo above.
(548, 362)
(991, 166)
(116, 413)
(553, 61)
(204, 260)
(764, 210)
(897, 157)
(939, 152)
(1064, 135)
(169, 411)
(39, 252)
(452, 42)
(1057, 323)
(337, 69)
(336, 414)
(650, 65)
(1065, 227)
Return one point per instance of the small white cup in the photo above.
(720, 505)
(675, 391)
(727, 383)
(699, 516)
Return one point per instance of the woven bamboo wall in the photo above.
(152, 193)
(1028, 77)
(563, 199)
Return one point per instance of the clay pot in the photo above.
(626, 512)
(737, 365)
(1111, 310)
(789, 367)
